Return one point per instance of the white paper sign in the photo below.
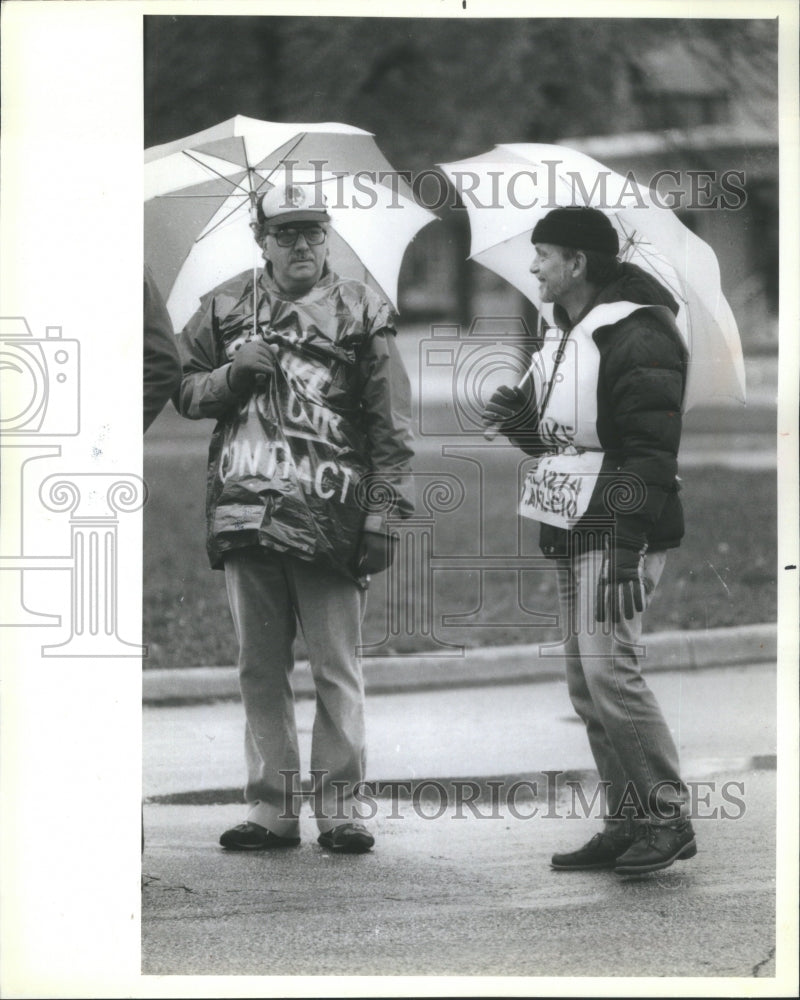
(558, 488)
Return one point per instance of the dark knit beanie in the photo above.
(577, 227)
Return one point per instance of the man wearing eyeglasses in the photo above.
(309, 454)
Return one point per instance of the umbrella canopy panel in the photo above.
(507, 190)
(200, 195)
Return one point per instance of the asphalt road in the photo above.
(473, 895)
(454, 896)
(458, 890)
(720, 718)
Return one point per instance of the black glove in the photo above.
(378, 547)
(620, 585)
(252, 362)
(507, 406)
(514, 412)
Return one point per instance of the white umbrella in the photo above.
(200, 193)
(507, 190)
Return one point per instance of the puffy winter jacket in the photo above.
(634, 353)
(295, 463)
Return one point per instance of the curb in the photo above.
(680, 650)
(415, 788)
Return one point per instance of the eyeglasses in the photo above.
(287, 236)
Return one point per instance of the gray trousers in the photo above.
(631, 743)
(268, 594)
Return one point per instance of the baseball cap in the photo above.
(293, 203)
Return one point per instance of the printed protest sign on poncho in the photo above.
(290, 465)
(290, 461)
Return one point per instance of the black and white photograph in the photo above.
(400, 592)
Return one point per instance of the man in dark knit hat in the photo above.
(600, 409)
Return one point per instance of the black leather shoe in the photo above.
(252, 837)
(601, 852)
(350, 838)
(656, 847)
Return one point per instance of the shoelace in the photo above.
(644, 832)
(649, 832)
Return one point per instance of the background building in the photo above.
(642, 95)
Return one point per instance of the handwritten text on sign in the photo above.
(558, 488)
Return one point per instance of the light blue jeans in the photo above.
(630, 740)
(268, 594)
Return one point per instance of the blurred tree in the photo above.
(201, 70)
(440, 89)
(433, 89)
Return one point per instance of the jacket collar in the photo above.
(632, 284)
